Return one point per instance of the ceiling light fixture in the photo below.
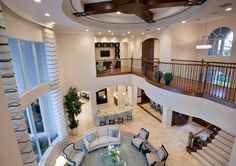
(123, 34)
(99, 33)
(109, 31)
(183, 22)
(128, 32)
(112, 33)
(158, 29)
(228, 9)
(47, 14)
(204, 41)
(132, 36)
(118, 12)
(87, 30)
(38, 1)
(142, 33)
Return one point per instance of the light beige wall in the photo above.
(211, 26)
(21, 28)
(184, 39)
(9, 152)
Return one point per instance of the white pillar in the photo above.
(166, 117)
(93, 105)
(121, 96)
(8, 137)
(232, 161)
(132, 95)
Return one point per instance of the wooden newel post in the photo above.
(190, 138)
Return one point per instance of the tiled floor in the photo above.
(174, 138)
(151, 110)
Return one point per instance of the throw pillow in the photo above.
(160, 153)
(114, 132)
(90, 137)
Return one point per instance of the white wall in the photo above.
(20, 28)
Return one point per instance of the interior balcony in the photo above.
(215, 81)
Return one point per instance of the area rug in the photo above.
(134, 156)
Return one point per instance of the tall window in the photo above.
(30, 68)
(221, 40)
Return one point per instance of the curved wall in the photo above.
(217, 114)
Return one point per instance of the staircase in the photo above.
(217, 151)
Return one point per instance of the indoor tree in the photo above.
(73, 105)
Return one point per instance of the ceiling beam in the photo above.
(100, 8)
(146, 15)
(173, 3)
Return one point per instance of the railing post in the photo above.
(205, 79)
(132, 64)
(190, 137)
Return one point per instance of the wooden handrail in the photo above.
(208, 126)
(215, 82)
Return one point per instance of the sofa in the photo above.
(101, 137)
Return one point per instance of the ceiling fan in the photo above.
(139, 8)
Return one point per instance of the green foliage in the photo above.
(158, 75)
(73, 106)
(196, 140)
(168, 77)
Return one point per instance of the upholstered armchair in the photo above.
(73, 154)
(101, 120)
(157, 157)
(100, 68)
(140, 138)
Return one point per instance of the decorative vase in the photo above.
(74, 131)
(167, 82)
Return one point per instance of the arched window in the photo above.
(221, 40)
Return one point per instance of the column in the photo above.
(13, 100)
(132, 95)
(8, 138)
(56, 92)
(121, 95)
(166, 117)
(93, 105)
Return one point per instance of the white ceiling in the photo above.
(67, 23)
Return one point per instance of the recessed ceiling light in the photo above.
(109, 31)
(38, 1)
(112, 33)
(132, 36)
(128, 32)
(87, 30)
(123, 34)
(158, 29)
(228, 9)
(184, 22)
(47, 14)
(142, 33)
(118, 12)
(99, 33)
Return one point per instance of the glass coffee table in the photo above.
(106, 160)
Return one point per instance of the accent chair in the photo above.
(140, 138)
(129, 115)
(74, 155)
(157, 157)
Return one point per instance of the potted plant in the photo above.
(196, 140)
(168, 77)
(73, 105)
(158, 75)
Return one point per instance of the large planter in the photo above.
(74, 131)
(167, 82)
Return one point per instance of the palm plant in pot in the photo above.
(168, 78)
(73, 105)
(158, 75)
